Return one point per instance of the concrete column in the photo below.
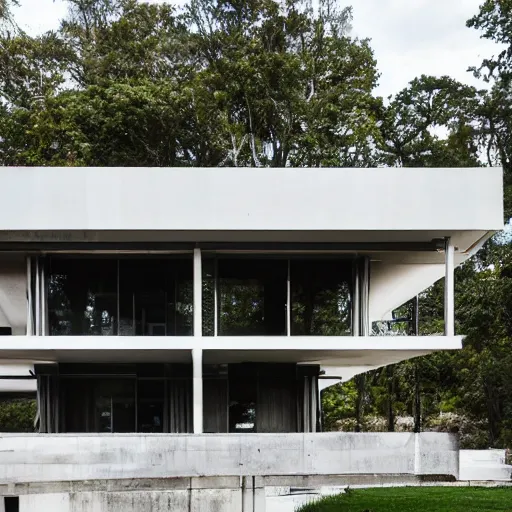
(365, 297)
(449, 290)
(30, 317)
(197, 389)
(37, 299)
(197, 353)
(314, 405)
(356, 308)
(198, 294)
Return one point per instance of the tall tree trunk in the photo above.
(417, 398)
(390, 378)
(360, 385)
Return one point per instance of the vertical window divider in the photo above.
(118, 299)
(30, 305)
(38, 297)
(356, 300)
(365, 297)
(43, 299)
(216, 310)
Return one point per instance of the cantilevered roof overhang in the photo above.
(250, 204)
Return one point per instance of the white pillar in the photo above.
(198, 294)
(44, 303)
(356, 308)
(449, 290)
(30, 316)
(37, 299)
(197, 389)
(197, 353)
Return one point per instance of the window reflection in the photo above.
(143, 297)
(155, 297)
(82, 297)
(321, 297)
(150, 410)
(252, 297)
(243, 396)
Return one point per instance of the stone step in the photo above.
(486, 472)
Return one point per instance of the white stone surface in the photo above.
(64, 457)
(484, 465)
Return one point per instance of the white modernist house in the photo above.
(219, 301)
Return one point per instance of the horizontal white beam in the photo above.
(335, 351)
(188, 343)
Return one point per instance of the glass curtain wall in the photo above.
(273, 297)
(129, 296)
(242, 296)
(149, 398)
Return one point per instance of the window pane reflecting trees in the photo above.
(148, 296)
(82, 297)
(109, 296)
(252, 297)
(321, 297)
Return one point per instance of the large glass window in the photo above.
(252, 297)
(155, 297)
(151, 398)
(149, 296)
(82, 297)
(321, 297)
(109, 296)
(99, 405)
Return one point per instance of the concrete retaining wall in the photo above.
(61, 457)
(204, 473)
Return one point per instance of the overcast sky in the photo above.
(409, 37)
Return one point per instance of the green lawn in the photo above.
(416, 499)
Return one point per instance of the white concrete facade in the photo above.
(384, 214)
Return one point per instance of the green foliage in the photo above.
(413, 499)
(17, 415)
(217, 84)
(338, 403)
(428, 103)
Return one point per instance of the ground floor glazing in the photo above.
(158, 398)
